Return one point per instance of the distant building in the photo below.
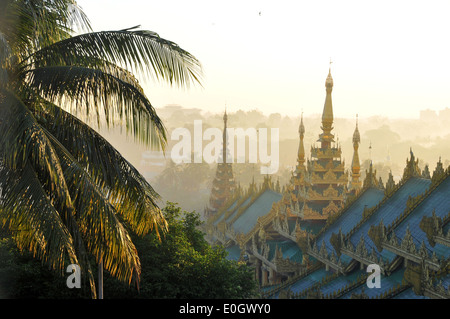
(223, 185)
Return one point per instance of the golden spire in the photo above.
(356, 136)
(301, 147)
(301, 128)
(356, 183)
(327, 115)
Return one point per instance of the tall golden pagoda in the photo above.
(327, 172)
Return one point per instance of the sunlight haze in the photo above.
(390, 58)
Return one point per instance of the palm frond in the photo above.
(23, 141)
(37, 225)
(114, 95)
(31, 25)
(142, 52)
(25, 149)
(103, 233)
(5, 54)
(129, 192)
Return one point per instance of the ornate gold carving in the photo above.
(312, 195)
(413, 276)
(329, 175)
(378, 235)
(309, 213)
(430, 226)
(412, 167)
(336, 241)
(331, 209)
(330, 192)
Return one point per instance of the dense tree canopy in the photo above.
(180, 265)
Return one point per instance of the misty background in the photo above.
(386, 141)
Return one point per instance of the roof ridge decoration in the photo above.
(377, 233)
(439, 172)
(412, 167)
(426, 172)
(410, 171)
(337, 241)
(371, 178)
(390, 184)
(431, 226)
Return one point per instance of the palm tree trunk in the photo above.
(100, 279)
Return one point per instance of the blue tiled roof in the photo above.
(230, 208)
(341, 282)
(446, 228)
(236, 209)
(387, 255)
(351, 216)
(387, 282)
(438, 201)
(218, 220)
(234, 252)
(446, 282)
(409, 294)
(293, 252)
(260, 207)
(289, 248)
(392, 208)
(345, 259)
(309, 280)
(313, 226)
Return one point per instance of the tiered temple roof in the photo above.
(241, 213)
(223, 185)
(316, 238)
(405, 231)
(323, 189)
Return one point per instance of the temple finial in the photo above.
(355, 173)
(225, 116)
(301, 147)
(356, 135)
(301, 128)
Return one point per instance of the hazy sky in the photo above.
(390, 58)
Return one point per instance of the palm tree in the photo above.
(66, 194)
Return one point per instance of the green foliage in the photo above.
(180, 265)
(22, 276)
(183, 265)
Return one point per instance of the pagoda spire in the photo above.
(356, 183)
(301, 147)
(326, 171)
(224, 136)
(327, 115)
(223, 185)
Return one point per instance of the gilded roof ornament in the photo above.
(356, 135)
(327, 114)
(301, 128)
